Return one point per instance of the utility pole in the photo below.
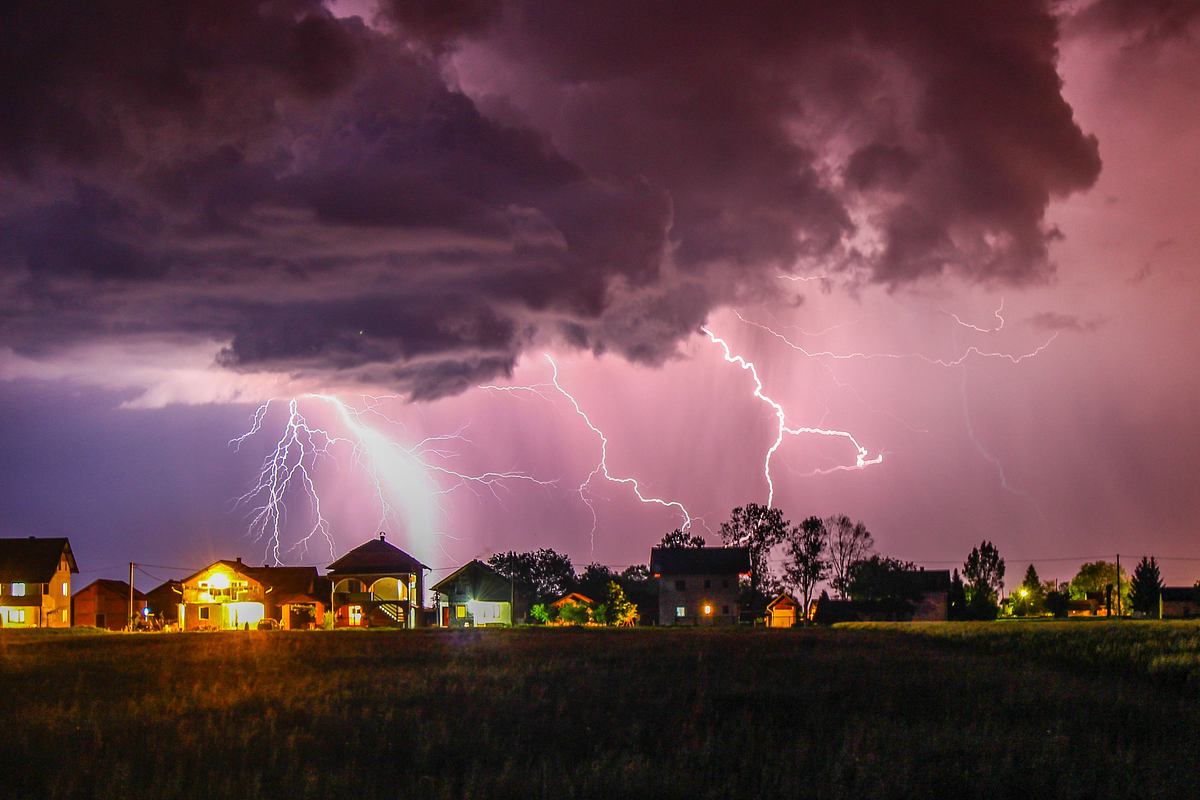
(1118, 585)
(131, 566)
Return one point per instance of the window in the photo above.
(65, 589)
(18, 590)
(204, 612)
(707, 583)
(16, 615)
(707, 609)
(460, 612)
(725, 610)
(355, 614)
(725, 583)
(680, 586)
(3, 588)
(680, 611)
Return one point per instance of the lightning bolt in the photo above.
(402, 477)
(997, 314)
(601, 468)
(861, 460)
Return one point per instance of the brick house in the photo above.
(699, 585)
(1180, 602)
(104, 604)
(35, 582)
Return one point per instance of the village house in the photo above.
(475, 595)
(783, 611)
(35, 582)
(229, 595)
(1180, 602)
(920, 595)
(377, 584)
(104, 604)
(699, 585)
(163, 602)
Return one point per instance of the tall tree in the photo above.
(1094, 578)
(682, 538)
(760, 529)
(848, 542)
(547, 572)
(1030, 596)
(984, 571)
(1146, 587)
(880, 578)
(807, 563)
(594, 580)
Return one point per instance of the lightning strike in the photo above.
(401, 477)
(783, 429)
(601, 467)
(997, 314)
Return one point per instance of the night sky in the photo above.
(978, 220)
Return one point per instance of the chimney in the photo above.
(381, 536)
(239, 559)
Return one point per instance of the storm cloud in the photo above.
(418, 197)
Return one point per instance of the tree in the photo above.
(807, 565)
(1095, 577)
(1057, 603)
(880, 579)
(594, 580)
(760, 529)
(1030, 597)
(542, 613)
(984, 571)
(618, 609)
(642, 590)
(1146, 587)
(548, 573)
(574, 614)
(681, 538)
(848, 542)
(956, 598)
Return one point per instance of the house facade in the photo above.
(699, 585)
(475, 595)
(783, 611)
(377, 584)
(105, 604)
(231, 595)
(35, 582)
(1180, 602)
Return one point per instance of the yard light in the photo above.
(1023, 592)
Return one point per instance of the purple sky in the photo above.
(209, 207)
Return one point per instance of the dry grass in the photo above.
(582, 713)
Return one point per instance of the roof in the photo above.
(699, 560)
(1181, 594)
(574, 597)
(783, 599)
(376, 557)
(109, 585)
(483, 582)
(33, 560)
(165, 589)
(927, 580)
(284, 580)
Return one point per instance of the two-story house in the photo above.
(377, 584)
(35, 582)
(698, 585)
(227, 595)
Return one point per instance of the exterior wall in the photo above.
(111, 606)
(232, 599)
(43, 605)
(291, 613)
(463, 613)
(377, 600)
(784, 617)
(1181, 609)
(932, 607)
(693, 593)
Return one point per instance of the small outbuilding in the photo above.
(104, 604)
(783, 611)
(475, 595)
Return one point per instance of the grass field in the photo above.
(1059, 710)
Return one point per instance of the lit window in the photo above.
(680, 611)
(66, 590)
(18, 590)
(460, 612)
(16, 615)
(355, 613)
(707, 610)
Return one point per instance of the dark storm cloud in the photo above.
(421, 201)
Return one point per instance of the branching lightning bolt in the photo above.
(392, 468)
(783, 429)
(601, 467)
